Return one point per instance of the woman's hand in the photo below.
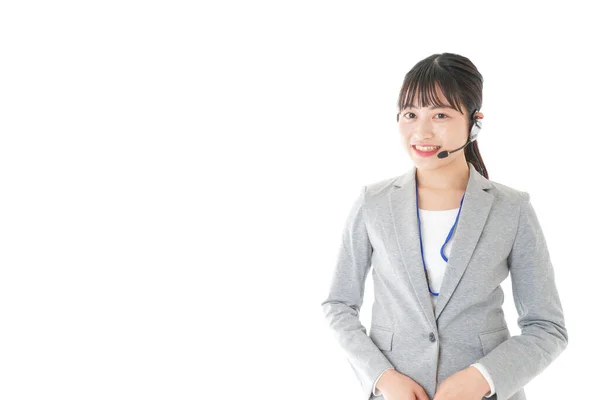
(396, 386)
(466, 384)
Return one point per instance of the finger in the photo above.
(421, 394)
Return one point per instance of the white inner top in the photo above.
(435, 226)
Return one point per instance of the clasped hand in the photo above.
(466, 384)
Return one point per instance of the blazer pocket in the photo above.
(382, 337)
(491, 340)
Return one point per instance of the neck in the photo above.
(452, 176)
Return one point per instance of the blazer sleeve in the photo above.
(342, 305)
(520, 358)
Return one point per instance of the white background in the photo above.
(174, 177)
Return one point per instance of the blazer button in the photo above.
(431, 337)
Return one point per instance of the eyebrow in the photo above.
(431, 107)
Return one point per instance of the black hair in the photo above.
(460, 82)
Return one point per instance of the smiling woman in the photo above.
(440, 239)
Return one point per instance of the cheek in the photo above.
(404, 132)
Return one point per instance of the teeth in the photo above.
(427, 148)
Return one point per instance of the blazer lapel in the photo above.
(475, 209)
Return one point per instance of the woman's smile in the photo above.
(425, 151)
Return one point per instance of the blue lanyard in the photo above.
(447, 238)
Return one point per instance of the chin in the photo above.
(429, 163)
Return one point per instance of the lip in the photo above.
(425, 153)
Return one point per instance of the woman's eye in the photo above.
(411, 114)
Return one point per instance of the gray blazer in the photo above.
(497, 232)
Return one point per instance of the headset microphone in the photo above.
(472, 136)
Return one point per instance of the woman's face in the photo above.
(443, 126)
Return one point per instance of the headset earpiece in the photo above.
(473, 136)
(475, 128)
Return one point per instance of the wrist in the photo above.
(381, 384)
(482, 383)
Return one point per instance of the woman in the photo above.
(441, 238)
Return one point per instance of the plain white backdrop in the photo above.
(174, 178)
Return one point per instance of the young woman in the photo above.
(440, 239)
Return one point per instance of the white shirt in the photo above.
(435, 226)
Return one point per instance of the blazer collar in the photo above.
(475, 209)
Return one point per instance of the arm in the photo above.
(543, 336)
(342, 305)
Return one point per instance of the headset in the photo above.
(472, 137)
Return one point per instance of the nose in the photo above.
(422, 130)
(423, 125)
(422, 134)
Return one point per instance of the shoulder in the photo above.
(508, 193)
(380, 186)
(379, 189)
(375, 195)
